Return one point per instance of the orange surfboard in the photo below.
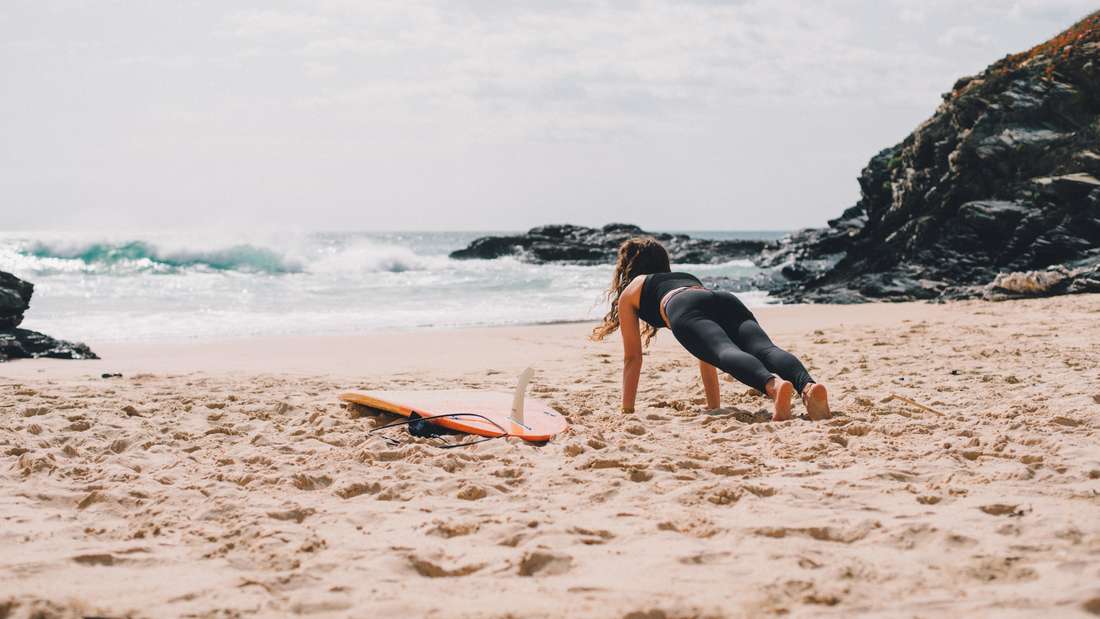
(534, 421)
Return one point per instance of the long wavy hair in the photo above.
(640, 255)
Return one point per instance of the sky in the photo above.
(473, 114)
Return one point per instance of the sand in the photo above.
(224, 479)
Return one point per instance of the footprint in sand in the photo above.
(80, 425)
(1000, 569)
(700, 528)
(294, 513)
(542, 563)
(302, 481)
(359, 488)
(1003, 509)
(96, 559)
(704, 558)
(593, 537)
(573, 450)
(760, 491)
(448, 530)
(29, 464)
(433, 569)
(512, 474)
(472, 493)
(841, 535)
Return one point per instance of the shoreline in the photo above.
(418, 348)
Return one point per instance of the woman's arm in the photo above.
(632, 352)
(710, 385)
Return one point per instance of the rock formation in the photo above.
(581, 245)
(996, 195)
(16, 343)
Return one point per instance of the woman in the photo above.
(713, 326)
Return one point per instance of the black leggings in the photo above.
(717, 328)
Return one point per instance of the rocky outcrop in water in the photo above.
(996, 195)
(16, 343)
(580, 245)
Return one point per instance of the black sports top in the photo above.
(654, 288)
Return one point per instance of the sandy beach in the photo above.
(960, 476)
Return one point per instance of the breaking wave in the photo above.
(143, 256)
(135, 257)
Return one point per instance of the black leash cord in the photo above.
(405, 422)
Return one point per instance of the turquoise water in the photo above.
(180, 286)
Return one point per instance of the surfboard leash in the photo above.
(417, 427)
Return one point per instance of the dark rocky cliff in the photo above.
(16, 343)
(995, 195)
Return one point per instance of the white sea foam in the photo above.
(169, 286)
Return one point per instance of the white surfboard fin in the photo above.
(521, 392)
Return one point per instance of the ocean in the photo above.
(149, 287)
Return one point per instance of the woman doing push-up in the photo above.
(712, 325)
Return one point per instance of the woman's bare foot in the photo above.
(816, 399)
(781, 392)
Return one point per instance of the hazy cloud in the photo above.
(964, 36)
(475, 112)
(271, 22)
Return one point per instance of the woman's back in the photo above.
(655, 287)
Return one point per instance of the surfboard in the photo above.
(535, 420)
